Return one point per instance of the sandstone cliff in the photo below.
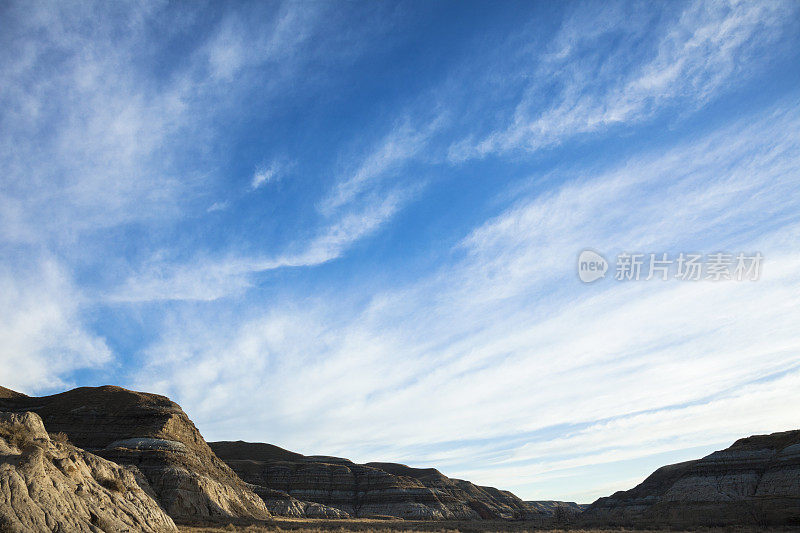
(755, 481)
(373, 489)
(51, 486)
(152, 434)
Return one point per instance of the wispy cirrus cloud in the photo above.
(237, 44)
(81, 131)
(211, 278)
(358, 204)
(263, 176)
(98, 141)
(505, 344)
(755, 408)
(483, 353)
(696, 53)
(118, 137)
(402, 143)
(574, 90)
(98, 135)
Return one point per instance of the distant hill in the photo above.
(755, 481)
(85, 449)
(550, 506)
(368, 490)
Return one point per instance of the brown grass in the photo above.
(280, 524)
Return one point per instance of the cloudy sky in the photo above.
(352, 228)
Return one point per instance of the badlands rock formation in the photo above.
(373, 489)
(553, 507)
(755, 481)
(153, 436)
(47, 485)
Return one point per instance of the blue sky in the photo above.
(352, 228)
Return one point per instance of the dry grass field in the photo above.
(398, 526)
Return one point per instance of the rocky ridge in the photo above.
(754, 481)
(143, 461)
(51, 486)
(368, 490)
(152, 435)
(551, 507)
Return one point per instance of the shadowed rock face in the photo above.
(52, 486)
(373, 489)
(553, 507)
(755, 481)
(153, 434)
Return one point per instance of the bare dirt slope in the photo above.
(397, 526)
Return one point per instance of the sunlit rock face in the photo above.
(373, 489)
(154, 435)
(49, 485)
(755, 481)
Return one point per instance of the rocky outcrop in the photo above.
(281, 503)
(485, 502)
(51, 486)
(373, 489)
(152, 434)
(554, 507)
(755, 481)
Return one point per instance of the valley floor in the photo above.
(397, 526)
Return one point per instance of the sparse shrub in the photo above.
(563, 516)
(60, 437)
(17, 435)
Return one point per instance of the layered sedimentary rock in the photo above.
(554, 507)
(373, 489)
(152, 434)
(755, 481)
(283, 504)
(47, 485)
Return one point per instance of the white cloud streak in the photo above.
(358, 205)
(695, 59)
(404, 142)
(264, 175)
(212, 278)
(500, 346)
(42, 334)
(93, 139)
(507, 343)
